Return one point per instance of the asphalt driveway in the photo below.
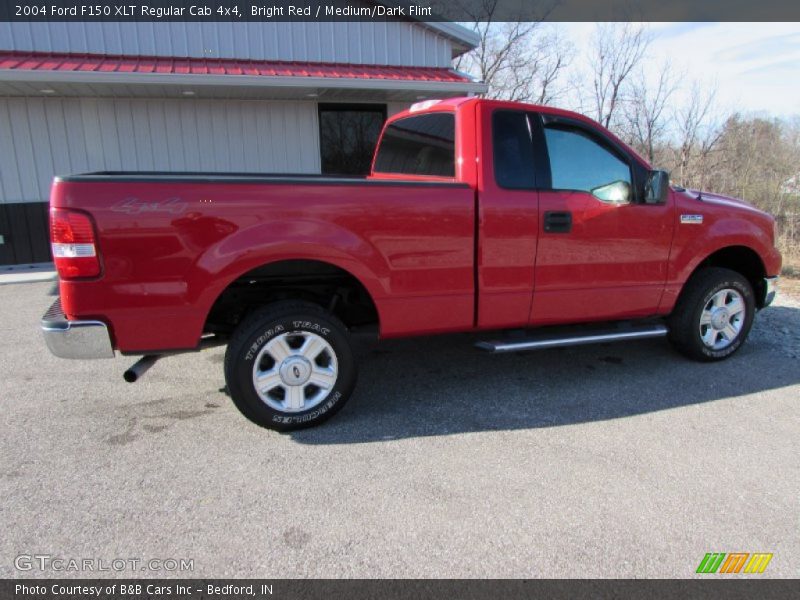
(620, 460)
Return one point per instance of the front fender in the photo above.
(721, 233)
(693, 245)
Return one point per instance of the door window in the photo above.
(579, 161)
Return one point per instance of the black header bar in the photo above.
(405, 589)
(408, 10)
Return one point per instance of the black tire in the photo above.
(684, 323)
(284, 319)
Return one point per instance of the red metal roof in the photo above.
(106, 63)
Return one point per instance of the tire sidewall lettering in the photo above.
(274, 330)
(329, 402)
(311, 326)
(252, 352)
(280, 328)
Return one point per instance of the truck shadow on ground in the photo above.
(442, 385)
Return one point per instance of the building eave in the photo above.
(200, 80)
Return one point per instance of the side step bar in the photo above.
(538, 342)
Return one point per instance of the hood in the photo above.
(721, 200)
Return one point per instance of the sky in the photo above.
(756, 66)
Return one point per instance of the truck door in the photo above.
(602, 253)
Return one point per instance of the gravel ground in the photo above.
(603, 461)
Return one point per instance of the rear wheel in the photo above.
(290, 365)
(713, 315)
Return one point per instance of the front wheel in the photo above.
(713, 316)
(289, 365)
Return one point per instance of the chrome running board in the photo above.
(544, 340)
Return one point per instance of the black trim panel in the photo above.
(496, 113)
(54, 318)
(26, 233)
(540, 153)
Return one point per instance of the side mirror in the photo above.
(616, 192)
(656, 187)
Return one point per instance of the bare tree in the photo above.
(646, 116)
(757, 158)
(699, 130)
(520, 61)
(616, 50)
(553, 55)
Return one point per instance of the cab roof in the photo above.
(453, 104)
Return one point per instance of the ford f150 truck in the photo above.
(478, 216)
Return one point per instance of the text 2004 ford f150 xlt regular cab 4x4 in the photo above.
(478, 215)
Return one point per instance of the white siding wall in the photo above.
(43, 137)
(392, 43)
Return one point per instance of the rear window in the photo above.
(421, 145)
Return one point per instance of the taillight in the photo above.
(74, 245)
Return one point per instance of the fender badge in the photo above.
(692, 219)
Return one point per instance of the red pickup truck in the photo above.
(478, 215)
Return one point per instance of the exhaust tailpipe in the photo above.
(140, 367)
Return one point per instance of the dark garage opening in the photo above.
(348, 134)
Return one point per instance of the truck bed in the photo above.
(171, 243)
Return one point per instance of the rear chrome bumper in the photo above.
(75, 339)
(770, 289)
